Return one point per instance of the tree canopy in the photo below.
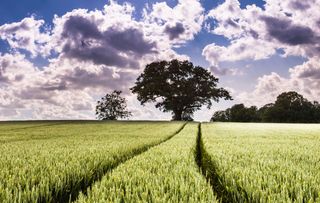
(237, 113)
(178, 87)
(112, 107)
(289, 107)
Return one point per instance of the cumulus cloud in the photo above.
(113, 47)
(15, 69)
(308, 70)
(178, 24)
(257, 33)
(303, 78)
(254, 33)
(284, 31)
(243, 48)
(299, 5)
(174, 31)
(24, 92)
(89, 53)
(79, 78)
(27, 35)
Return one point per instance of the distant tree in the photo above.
(221, 116)
(253, 114)
(178, 87)
(112, 107)
(237, 113)
(240, 113)
(316, 110)
(265, 113)
(291, 107)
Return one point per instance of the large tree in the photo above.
(112, 107)
(178, 87)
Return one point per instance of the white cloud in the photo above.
(176, 25)
(243, 48)
(95, 52)
(304, 79)
(98, 51)
(254, 33)
(27, 35)
(15, 69)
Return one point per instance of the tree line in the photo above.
(289, 107)
(181, 88)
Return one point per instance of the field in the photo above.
(92, 161)
(50, 162)
(166, 173)
(264, 162)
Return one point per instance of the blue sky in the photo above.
(239, 41)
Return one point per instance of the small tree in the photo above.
(179, 87)
(112, 107)
(220, 116)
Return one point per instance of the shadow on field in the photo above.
(72, 191)
(208, 168)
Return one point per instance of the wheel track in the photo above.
(209, 170)
(72, 193)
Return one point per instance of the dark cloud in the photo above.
(55, 85)
(3, 79)
(231, 23)
(99, 55)
(129, 40)
(18, 77)
(231, 8)
(288, 33)
(112, 47)
(35, 93)
(314, 74)
(310, 72)
(79, 79)
(174, 31)
(299, 5)
(254, 34)
(77, 27)
(3, 66)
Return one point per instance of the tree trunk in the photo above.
(177, 115)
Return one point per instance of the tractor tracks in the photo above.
(209, 169)
(72, 194)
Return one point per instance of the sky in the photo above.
(57, 57)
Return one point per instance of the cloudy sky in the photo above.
(57, 57)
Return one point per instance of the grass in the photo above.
(50, 162)
(89, 161)
(264, 162)
(166, 173)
